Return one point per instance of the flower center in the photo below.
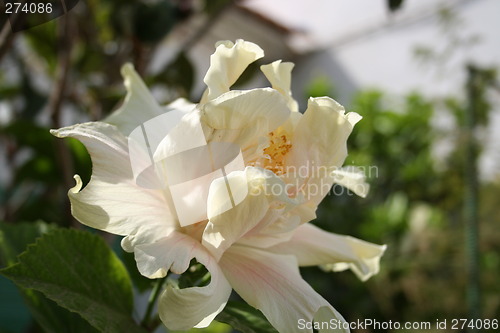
(279, 146)
(195, 230)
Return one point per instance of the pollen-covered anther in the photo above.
(279, 146)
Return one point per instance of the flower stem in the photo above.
(153, 297)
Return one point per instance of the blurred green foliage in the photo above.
(414, 206)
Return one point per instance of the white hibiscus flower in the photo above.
(253, 243)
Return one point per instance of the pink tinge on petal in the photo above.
(182, 309)
(313, 247)
(272, 283)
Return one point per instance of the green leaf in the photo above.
(14, 238)
(78, 271)
(53, 318)
(245, 318)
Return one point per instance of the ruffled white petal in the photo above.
(172, 253)
(238, 109)
(243, 117)
(272, 283)
(319, 146)
(112, 201)
(182, 309)
(180, 104)
(227, 64)
(139, 105)
(313, 246)
(352, 178)
(279, 75)
(264, 190)
(276, 227)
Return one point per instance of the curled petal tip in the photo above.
(353, 118)
(78, 186)
(127, 69)
(226, 43)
